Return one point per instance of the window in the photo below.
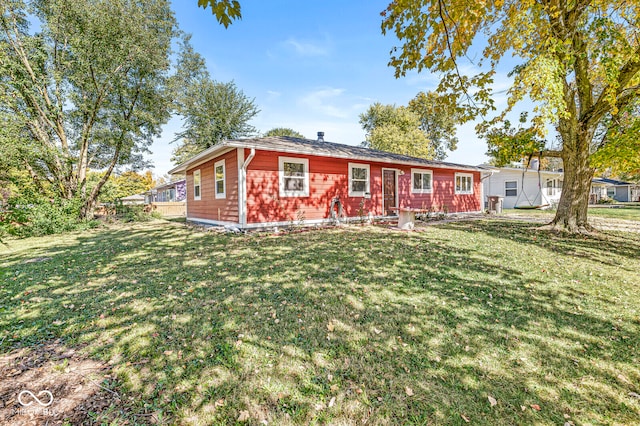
(611, 192)
(358, 180)
(421, 181)
(511, 188)
(464, 183)
(294, 177)
(219, 176)
(196, 185)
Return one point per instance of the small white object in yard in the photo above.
(232, 228)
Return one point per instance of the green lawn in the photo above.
(629, 211)
(342, 326)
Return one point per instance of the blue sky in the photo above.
(310, 65)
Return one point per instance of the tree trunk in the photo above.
(571, 215)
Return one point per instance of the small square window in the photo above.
(421, 181)
(464, 183)
(359, 180)
(294, 177)
(511, 189)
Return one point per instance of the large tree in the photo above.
(86, 86)
(395, 129)
(578, 60)
(212, 112)
(438, 120)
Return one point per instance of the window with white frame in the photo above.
(219, 176)
(293, 177)
(359, 180)
(511, 188)
(196, 185)
(464, 183)
(422, 181)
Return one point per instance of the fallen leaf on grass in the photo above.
(465, 418)
(523, 408)
(535, 407)
(624, 379)
(634, 395)
(408, 391)
(219, 403)
(244, 416)
(332, 402)
(375, 330)
(492, 401)
(330, 326)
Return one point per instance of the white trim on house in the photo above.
(197, 195)
(460, 189)
(422, 190)
(242, 179)
(284, 192)
(223, 194)
(367, 190)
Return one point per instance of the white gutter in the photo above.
(243, 188)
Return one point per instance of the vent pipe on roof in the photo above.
(320, 136)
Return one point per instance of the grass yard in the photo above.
(483, 322)
(629, 211)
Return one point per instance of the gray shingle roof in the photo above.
(293, 145)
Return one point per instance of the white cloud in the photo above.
(307, 47)
(326, 101)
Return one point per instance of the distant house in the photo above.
(603, 188)
(133, 199)
(262, 182)
(525, 187)
(167, 192)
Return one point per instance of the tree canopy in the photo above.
(212, 112)
(284, 131)
(425, 128)
(86, 88)
(578, 61)
(395, 129)
(225, 11)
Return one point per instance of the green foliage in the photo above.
(225, 11)
(88, 88)
(29, 217)
(509, 144)
(284, 131)
(212, 112)
(579, 62)
(395, 129)
(438, 120)
(135, 213)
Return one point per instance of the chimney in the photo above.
(320, 136)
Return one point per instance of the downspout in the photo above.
(243, 187)
(482, 194)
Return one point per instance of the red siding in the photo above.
(328, 177)
(208, 207)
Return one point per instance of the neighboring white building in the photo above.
(524, 188)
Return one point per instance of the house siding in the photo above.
(208, 207)
(328, 178)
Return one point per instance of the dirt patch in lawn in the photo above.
(52, 384)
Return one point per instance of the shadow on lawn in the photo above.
(202, 327)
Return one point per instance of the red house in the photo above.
(272, 181)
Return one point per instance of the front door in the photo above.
(389, 191)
